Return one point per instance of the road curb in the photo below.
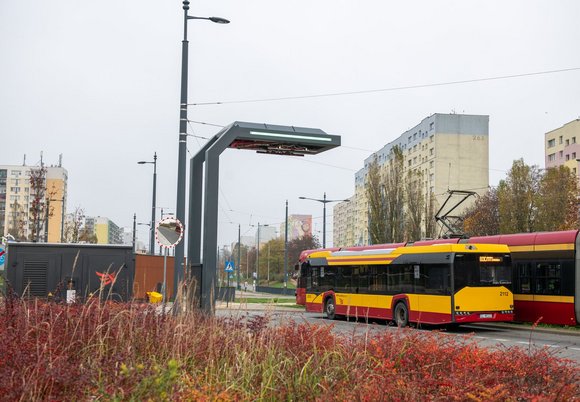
(527, 328)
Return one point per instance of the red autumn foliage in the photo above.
(118, 351)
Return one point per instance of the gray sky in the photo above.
(99, 82)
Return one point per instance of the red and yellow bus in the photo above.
(437, 284)
(546, 280)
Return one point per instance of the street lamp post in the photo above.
(181, 162)
(258, 254)
(286, 248)
(324, 201)
(152, 231)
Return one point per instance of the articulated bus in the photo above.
(546, 273)
(546, 280)
(439, 284)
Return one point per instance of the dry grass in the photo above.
(109, 352)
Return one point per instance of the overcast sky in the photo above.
(99, 83)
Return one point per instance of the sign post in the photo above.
(168, 233)
(229, 268)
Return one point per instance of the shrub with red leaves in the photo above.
(121, 351)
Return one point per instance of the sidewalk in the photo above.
(272, 307)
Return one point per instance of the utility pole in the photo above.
(286, 248)
(239, 253)
(134, 229)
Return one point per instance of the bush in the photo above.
(125, 351)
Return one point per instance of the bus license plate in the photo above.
(485, 316)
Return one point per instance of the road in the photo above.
(562, 343)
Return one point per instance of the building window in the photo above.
(431, 138)
(560, 139)
(431, 126)
(551, 157)
(573, 140)
(409, 162)
(567, 157)
(561, 154)
(551, 143)
(567, 142)
(410, 139)
(573, 155)
(432, 151)
(431, 164)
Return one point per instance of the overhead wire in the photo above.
(389, 89)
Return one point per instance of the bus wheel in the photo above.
(401, 315)
(329, 309)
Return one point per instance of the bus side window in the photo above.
(343, 279)
(421, 276)
(378, 279)
(328, 278)
(524, 277)
(548, 278)
(354, 279)
(363, 279)
(568, 268)
(315, 277)
(437, 279)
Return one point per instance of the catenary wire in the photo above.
(390, 89)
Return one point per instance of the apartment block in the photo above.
(298, 226)
(562, 147)
(106, 230)
(33, 202)
(450, 151)
(344, 223)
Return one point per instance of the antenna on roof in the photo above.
(60, 160)
(24, 161)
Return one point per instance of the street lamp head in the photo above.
(301, 198)
(219, 20)
(142, 162)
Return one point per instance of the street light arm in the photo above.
(323, 201)
(217, 20)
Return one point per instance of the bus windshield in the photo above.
(477, 270)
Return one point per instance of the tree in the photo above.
(298, 245)
(395, 196)
(557, 200)
(386, 196)
(17, 222)
(415, 204)
(377, 206)
(430, 222)
(518, 197)
(87, 236)
(37, 204)
(73, 226)
(482, 218)
(272, 260)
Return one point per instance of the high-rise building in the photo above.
(298, 226)
(344, 223)
(33, 202)
(450, 151)
(107, 231)
(265, 234)
(562, 147)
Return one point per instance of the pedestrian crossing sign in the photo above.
(229, 266)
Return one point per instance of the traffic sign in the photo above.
(229, 266)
